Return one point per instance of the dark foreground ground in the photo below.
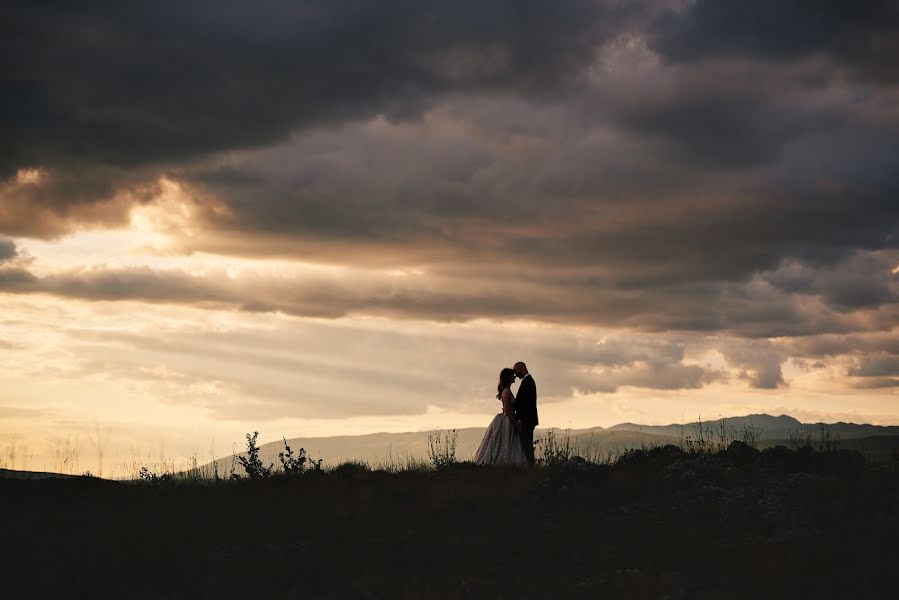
(656, 525)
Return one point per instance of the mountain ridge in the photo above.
(386, 448)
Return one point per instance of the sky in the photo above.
(327, 218)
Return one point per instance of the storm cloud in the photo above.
(705, 167)
(8, 250)
(861, 36)
(136, 84)
(416, 127)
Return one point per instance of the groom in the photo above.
(526, 408)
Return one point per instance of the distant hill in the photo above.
(771, 427)
(597, 442)
(14, 474)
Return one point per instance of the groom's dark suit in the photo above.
(526, 412)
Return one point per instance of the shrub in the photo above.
(650, 458)
(292, 465)
(828, 441)
(707, 439)
(800, 438)
(751, 435)
(442, 448)
(152, 478)
(251, 463)
(555, 451)
(350, 468)
(701, 441)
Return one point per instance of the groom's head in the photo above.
(520, 369)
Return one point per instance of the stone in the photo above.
(741, 453)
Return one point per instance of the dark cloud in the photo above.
(862, 36)
(106, 97)
(565, 162)
(14, 279)
(651, 375)
(587, 197)
(650, 363)
(821, 346)
(722, 128)
(860, 280)
(759, 361)
(8, 250)
(51, 202)
(874, 355)
(876, 365)
(133, 84)
(754, 309)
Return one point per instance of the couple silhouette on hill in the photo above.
(509, 439)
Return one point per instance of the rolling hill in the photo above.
(597, 442)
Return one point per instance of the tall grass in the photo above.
(555, 450)
(395, 462)
(98, 439)
(16, 457)
(709, 440)
(66, 458)
(442, 448)
(825, 441)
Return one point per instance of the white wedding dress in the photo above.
(501, 444)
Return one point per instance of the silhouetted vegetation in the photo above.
(657, 521)
(553, 450)
(825, 441)
(697, 520)
(442, 448)
(152, 478)
(295, 465)
(251, 463)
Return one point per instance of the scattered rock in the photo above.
(655, 458)
(774, 457)
(741, 453)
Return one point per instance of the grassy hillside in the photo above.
(657, 524)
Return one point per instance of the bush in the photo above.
(292, 465)
(827, 440)
(251, 464)
(555, 451)
(149, 477)
(653, 458)
(442, 448)
(350, 468)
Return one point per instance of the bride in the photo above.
(502, 441)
